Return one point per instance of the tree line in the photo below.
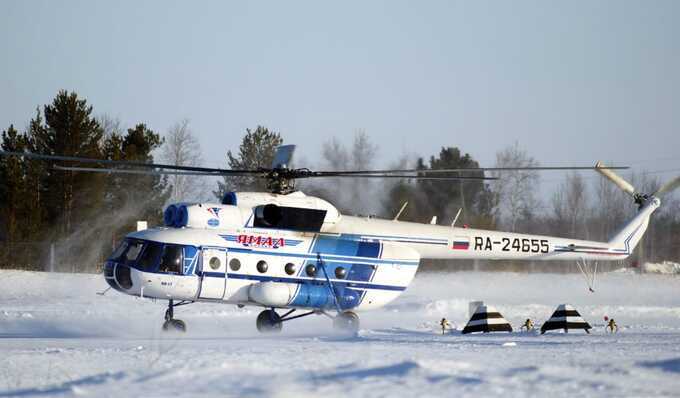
(50, 214)
(42, 202)
(584, 205)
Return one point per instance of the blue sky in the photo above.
(572, 82)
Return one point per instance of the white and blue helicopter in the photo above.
(295, 255)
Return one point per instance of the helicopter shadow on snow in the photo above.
(66, 387)
(45, 329)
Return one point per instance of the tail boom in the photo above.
(441, 242)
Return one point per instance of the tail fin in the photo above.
(631, 233)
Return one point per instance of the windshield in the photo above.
(156, 257)
(119, 250)
(149, 259)
(132, 252)
(171, 259)
(127, 252)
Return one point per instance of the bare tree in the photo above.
(182, 148)
(514, 191)
(353, 195)
(335, 155)
(363, 151)
(362, 154)
(609, 209)
(110, 125)
(570, 206)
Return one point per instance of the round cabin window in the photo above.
(215, 263)
(234, 264)
(290, 268)
(262, 266)
(340, 273)
(311, 270)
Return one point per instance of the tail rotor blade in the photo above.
(615, 178)
(668, 187)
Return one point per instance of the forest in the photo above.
(53, 218)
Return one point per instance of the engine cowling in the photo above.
(259, 201)
(204, 215)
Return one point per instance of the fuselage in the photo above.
(224, 253)
(262, 267)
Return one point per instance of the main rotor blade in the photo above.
(404, 176)
(142, 172)
(32, 155)
(668, 187)
(458, 170)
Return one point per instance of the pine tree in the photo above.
(70, 130)
(256, 152)
(12, 175)
(152, 190)
(20, 205)
(443, 199)
(35, 173)
(133, 197)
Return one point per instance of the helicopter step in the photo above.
(171, 324)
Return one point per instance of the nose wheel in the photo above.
(171, 324)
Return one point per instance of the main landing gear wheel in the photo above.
(174, 325)
(269, 322)
(171, 324)
(346, 322)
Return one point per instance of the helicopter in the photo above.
(295, 255)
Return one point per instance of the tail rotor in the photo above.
(639, 197)
(668, 187)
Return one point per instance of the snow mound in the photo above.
(667, 267)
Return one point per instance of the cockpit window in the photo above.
(128, 251)
(119, 250)
(171, 259)
(149, 259)
(150, 256)
(134, 248)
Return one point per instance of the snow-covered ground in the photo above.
(59, 338)
(666, 267)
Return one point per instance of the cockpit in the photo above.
(148, 256)
(155, 257)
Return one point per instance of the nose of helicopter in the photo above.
(118, 276)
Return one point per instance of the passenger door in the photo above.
(214, 273)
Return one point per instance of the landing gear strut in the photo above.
(172, 324)
(269, 321)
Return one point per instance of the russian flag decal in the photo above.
(461, 243)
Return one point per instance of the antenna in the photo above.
(456, 217)
(396, 218)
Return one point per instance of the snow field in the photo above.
(59, 338)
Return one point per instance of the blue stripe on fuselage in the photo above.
(395, 238)
(337, 282)
(326, 257)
